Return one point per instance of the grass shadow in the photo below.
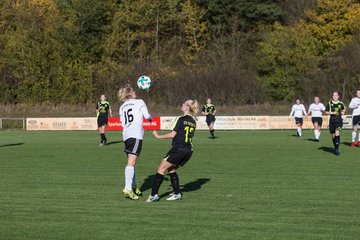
(346, 143)
(312, 140)
(213, 137)
(113, 142)
(189, 187)
(327, 149)
(12, 144)
(147, 184)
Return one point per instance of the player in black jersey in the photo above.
(182, 133)
(103, 109)
(209, 110)
(335, 108)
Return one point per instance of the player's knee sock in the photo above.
(156, 184)
(337, 142)
(319, 133)
(134, 179)
(299, 131)
(333, 140)
(212, 132)
(129, 175)
(102, 135)
(316, 133)
(174, 179)
(353, 136)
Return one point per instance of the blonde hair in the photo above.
(193, 107)
(124, 93)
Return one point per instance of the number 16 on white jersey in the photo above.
(132, 112)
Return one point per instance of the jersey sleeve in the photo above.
(304, 110)
(353, 103)
(311, 108)
(343, 106)
(322, 107)
(176, 126)
(144, 110)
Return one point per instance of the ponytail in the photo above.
(193, 107)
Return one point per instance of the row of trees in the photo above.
(236, 51)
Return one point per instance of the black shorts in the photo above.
(335, 124)
(299, 120)
(356, 120)
(133, 146)
(210, 119)
(317, 120)
(102, 121)
(178, 158)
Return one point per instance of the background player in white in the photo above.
(298, 110)
(355, 105)
(316, 110)
(132, 112)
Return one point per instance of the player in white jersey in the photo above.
(298, 110)
(316, 110)
(132, 112)
(355, 105)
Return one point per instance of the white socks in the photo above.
(353, 137)
(317, 134)
(129, 177)
(134, 179)
(299, 131)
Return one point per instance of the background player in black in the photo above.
(209, 110)
(335, 109)
(103, 109)
(182, 133)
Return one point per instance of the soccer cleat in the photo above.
(154, 198)
(101, 143)
(174, 197)
(130, 194)
(337, 152)
(352, 144)
(137, 191)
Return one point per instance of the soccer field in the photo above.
(242, 185)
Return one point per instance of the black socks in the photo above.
(337, 142)
(102, 136)
(212, 132)
(174, 179)
(156, 184)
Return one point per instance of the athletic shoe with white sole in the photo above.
(174, 197)
(154, 198)
(130, 194)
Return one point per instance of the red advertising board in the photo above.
(115, 124)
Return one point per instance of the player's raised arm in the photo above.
(144, 110)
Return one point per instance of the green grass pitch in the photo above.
(242, 185)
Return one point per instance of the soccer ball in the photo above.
(144, 82)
